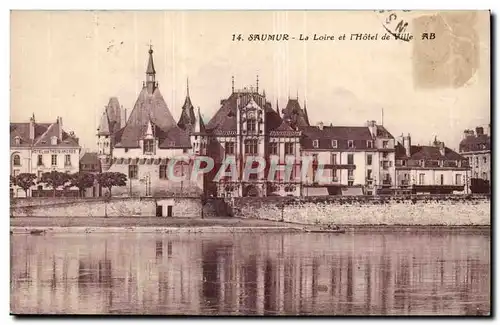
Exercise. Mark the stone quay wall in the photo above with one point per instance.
(180, 207)
(409, 210)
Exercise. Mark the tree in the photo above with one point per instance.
(55, 179)
(25, 181)
(110, 179)
(82, 180)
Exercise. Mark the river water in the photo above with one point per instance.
(391, 273)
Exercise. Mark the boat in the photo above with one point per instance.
(37, 232)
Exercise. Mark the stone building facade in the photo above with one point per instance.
(430, 169)
(37, 148)
(476, 147)
(145, 146)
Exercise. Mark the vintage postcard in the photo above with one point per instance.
(266, 163)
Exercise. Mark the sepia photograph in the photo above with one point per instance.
(250, 162)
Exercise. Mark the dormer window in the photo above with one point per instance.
(334, 143)
(148, 146)
(53, 141)
(369, 144)
(17, 140)
(350, 144)
(315, 143)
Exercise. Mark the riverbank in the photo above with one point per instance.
(45, 225)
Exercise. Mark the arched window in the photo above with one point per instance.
(17, 140)
(16, 160)
(53, 141)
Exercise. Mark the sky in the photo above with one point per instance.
(69, 64)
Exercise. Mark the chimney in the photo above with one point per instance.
(320, 125)
(32, 127)
(407, 144)
(60, 127)
(442, 148)
(372, 126)
(479, 131)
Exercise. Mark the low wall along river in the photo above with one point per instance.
(415, 210)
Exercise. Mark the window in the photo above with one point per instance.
(315, 143)
(369, 159)
(126, 149)
(350, 159)
(475, 175)
(334, 175)
(485, 160)
(53, 141)
(458, 179)
(350, 144)
(67, 160)
(16, 160)
(40, 160)
(484, 176)
(229, 148)
(273, 148)
(289, 146)
(251, 147)
(477, 160)
(369, 144)
(133, 171)
(163, 171)
(350, 183)
(148, 146)
(385, 144)
(17, 140)
(334, 143)
(251, 125)
(53, 160)
(334, 158)
(350, 173)
(421, 179)
(39, 174)
(369, 174)
(441, 179)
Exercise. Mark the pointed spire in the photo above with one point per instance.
(150, 73)
(257, 83)
(232, 84)
(306, 116)
(187, 86)
(277, 107)
(151, 67)
(297, 94)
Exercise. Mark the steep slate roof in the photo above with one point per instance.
(151, 107)
(111, 118)
(383, 133)
(475, 143)
(90, 158)
(228, 108)
(427, 153)
(359, 134)
(295, 114)
(42, 135)
(187, 113)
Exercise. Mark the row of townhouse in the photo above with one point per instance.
(365, 159)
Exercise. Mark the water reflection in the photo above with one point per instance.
(267, 274)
